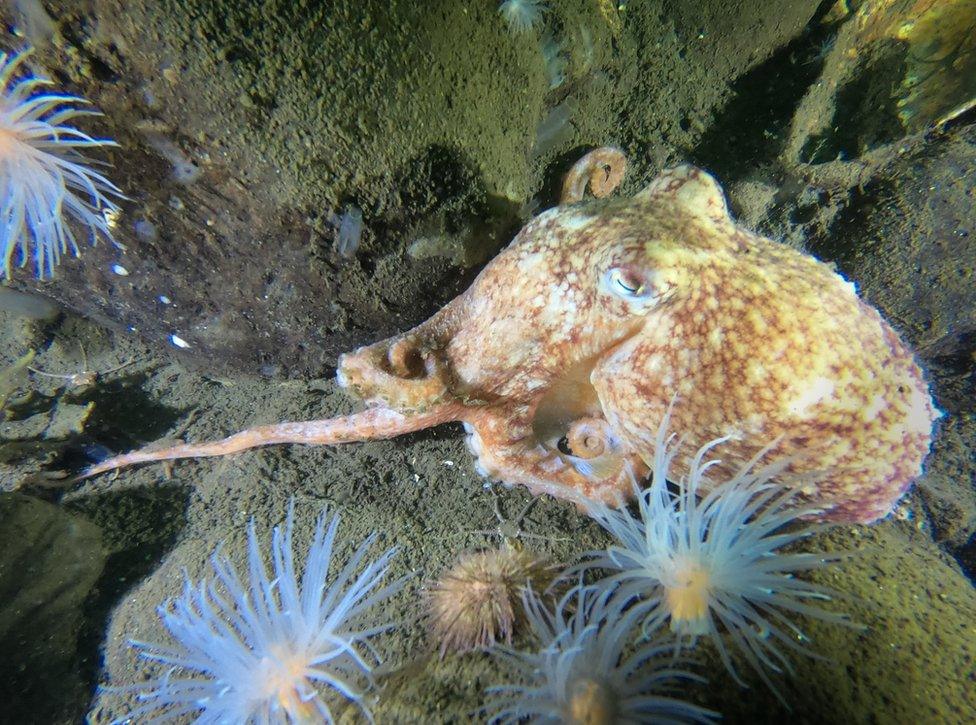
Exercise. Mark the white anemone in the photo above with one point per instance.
(584, 672)
(44, 178)
(713, 564)
(269, 650)
(522, 15)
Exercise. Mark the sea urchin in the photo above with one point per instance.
(44, 178)
(477, 602)
(264, 651)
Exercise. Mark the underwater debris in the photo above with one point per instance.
(444, 246)
(267, 649)
(43, 175)
(713, 565)
(350, 232)
(145, 230)
(897, 69)
(610, 10)
(587, 48)
(185, 170)
(83, 379)
(554, 128)
(522, 15)
(580, 674)
(29, 306)
(179, 341)
(555, 60)
(477, 602)
(33, 22)
(940, 65)
(11, 377)
(35, 429)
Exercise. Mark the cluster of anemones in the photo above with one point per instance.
(274, 647)
(686, 566)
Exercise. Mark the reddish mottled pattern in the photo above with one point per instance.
(754, 327)
(756, 340)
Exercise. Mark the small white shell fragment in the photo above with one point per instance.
(179, 341)
(164, 299)
(120, 270)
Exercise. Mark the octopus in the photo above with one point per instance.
(605, 313)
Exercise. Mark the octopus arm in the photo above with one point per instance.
(507, 449)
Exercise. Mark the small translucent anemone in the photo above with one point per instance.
(269, 649)
(44, 178)
(583, 673)
(715, 564)
(522, 15)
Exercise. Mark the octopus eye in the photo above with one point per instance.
(627, 283)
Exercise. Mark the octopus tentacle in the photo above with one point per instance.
(371, 424)
(508, 450)
(603, 169)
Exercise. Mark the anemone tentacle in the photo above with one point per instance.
(580, 672)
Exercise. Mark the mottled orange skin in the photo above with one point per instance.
(755, 340)
(761, 342)
(564, 355)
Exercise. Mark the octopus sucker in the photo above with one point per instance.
(571, 346)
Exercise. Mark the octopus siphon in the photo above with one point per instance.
(569, 348)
